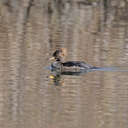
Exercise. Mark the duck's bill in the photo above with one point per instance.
(52, 58)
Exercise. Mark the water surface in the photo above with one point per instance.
(95, 33)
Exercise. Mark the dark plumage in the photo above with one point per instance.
(76, 63)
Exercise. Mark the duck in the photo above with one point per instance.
(60, 65)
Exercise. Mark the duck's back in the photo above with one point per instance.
(76, 64)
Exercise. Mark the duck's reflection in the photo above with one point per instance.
(56, 79)
(58, 76)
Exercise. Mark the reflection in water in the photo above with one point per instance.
(57, 76)
(56, 79)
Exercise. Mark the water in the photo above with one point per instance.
(96, 34)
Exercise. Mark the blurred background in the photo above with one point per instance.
(94, 31)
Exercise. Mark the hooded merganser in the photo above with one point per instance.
(73, 66)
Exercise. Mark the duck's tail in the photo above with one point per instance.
(113, 69)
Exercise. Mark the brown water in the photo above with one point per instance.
(96, 34)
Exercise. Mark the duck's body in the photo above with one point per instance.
(69, 66)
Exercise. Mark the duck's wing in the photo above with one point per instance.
(77, 64)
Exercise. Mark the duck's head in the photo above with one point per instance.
(59, 54)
